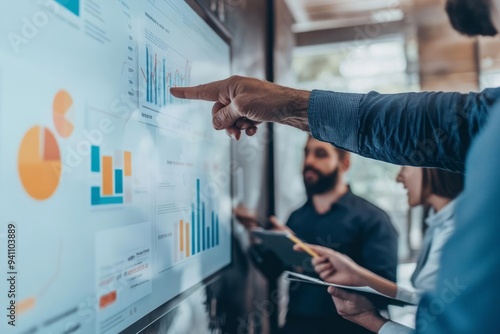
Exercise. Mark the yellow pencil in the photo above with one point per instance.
(302, 245)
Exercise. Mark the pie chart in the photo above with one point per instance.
(39, 163)
(63, 113)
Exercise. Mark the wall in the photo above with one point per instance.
(448, 61)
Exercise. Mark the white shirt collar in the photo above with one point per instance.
(443, 215)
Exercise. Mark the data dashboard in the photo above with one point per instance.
(116, 196)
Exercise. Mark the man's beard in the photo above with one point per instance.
(325, 182)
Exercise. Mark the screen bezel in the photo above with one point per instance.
(159, 312)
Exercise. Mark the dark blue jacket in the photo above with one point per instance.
(418, 129)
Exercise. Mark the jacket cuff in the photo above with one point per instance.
(334, 118)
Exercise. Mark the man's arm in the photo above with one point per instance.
(417, 129)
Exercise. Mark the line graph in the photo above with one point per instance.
(161, 72)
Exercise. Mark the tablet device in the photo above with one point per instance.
(280, 243)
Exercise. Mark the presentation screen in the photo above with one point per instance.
(116, 196)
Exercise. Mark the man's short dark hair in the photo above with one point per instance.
(471, 17)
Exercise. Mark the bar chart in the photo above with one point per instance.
(196, 233)
(115, 173)
(160, 73)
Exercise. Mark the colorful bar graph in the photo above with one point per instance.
(159, 79)
(201, 234)
(112, 189)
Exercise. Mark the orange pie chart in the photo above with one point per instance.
(63, 113)
(39, 163)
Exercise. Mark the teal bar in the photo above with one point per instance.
(193, 245)
(119, 181)
(71, 5)
(208, 238)
(204, 242)
(213, 229)
(96, 198)
(198, 208)
(217, 232)
(95, 159)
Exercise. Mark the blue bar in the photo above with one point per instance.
(147, 74)
(171, 96)
(213, 229)
(217, 232)
(118, 181)
(203, 227)
(199, 217)
(164, 85)
(157, 84)
(193, 245)
(96, 198)
(208, 238)
(95, 159)
(150, 78)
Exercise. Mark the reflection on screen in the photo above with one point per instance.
(119, 193)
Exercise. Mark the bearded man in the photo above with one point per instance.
(333, 217)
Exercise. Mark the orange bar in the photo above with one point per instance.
(188, 246)
(107, 175)
(107, 299)
(127, 163)
(181, 229)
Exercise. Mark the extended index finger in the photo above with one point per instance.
(207, 92)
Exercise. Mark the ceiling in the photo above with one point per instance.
(311, 15)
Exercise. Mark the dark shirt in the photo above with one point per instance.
(352, 226)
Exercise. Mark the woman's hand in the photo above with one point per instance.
(337, 268)
(357, 308)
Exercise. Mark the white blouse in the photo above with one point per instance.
(440, 227)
